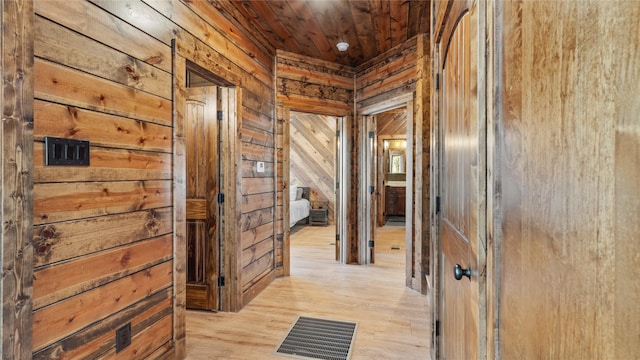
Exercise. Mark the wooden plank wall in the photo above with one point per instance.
(399, 71)
(313, 156)
(103, 234)
(392, 123)
(568, 185)
(16, 178)
(314, 86)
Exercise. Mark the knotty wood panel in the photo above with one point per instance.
(69, 201)
(67, 317)
(62, 241)
(306, 84)
(97, 339)
(312, 153)
(568, 141)
(66, 279)
(107, 29)
(100, 129)
(61, 45)
(64, 85)
(16, 177)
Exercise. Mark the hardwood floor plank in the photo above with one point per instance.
(393, 321)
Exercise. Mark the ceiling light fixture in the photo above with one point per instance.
(342, 46)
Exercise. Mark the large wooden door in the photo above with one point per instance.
(462, 181)
(202, 193)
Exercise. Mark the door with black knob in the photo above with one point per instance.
(462, 187)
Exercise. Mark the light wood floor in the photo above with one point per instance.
(392, 320)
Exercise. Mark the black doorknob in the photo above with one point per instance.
(459, 272)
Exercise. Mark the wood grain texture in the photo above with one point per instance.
(56, 202)
(60, 281)
(179, 219)
(97, 339)
(371, 27)
(101, 129)
(192, 22)
(16, 177)
(569, 178)
(108, 29)
(62, 241)
(61, 45)
(462, 179)
(64, 318)
(64, 85)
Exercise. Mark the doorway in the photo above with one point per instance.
(204, 113)
(313, 171)
(374, 184)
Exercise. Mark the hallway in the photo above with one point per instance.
(393, 321)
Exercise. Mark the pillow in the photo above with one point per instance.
(299, 193)
(293, 191)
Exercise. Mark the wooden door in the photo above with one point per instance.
(462, 196)
(202, 192)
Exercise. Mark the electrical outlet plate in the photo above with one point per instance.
(66, 152)
(123, 337)
(260, 166)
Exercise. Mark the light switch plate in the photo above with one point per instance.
(260, 166)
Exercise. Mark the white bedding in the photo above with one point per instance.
(298, 210)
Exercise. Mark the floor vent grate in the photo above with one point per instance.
(311, 338)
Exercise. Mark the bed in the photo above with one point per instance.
(299, 205)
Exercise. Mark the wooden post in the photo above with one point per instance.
(16, 193)
(179, 205)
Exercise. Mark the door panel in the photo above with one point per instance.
(201, 203)
(461, 198)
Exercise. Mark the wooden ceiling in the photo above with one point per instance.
(314, 27)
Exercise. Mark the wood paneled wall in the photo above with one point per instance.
(311, 86)
(313, 156)
(103, 234)
(16, 178)
(568, 185)
(392, 123)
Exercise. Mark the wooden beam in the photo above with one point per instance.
(16, 163)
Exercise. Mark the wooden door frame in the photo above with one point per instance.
(231, 297)
(447, 21)
(342, 190)
(412, 280)
(342, 231)
(16, 160)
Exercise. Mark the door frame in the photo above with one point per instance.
(342, 176)
(364, 199)
(231, 293)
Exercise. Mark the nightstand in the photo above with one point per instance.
(319, 213)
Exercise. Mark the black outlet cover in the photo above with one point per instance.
(123, 337)
(66, 152)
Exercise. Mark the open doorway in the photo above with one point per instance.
(374, 183)
(312, 172)
(391, 130)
